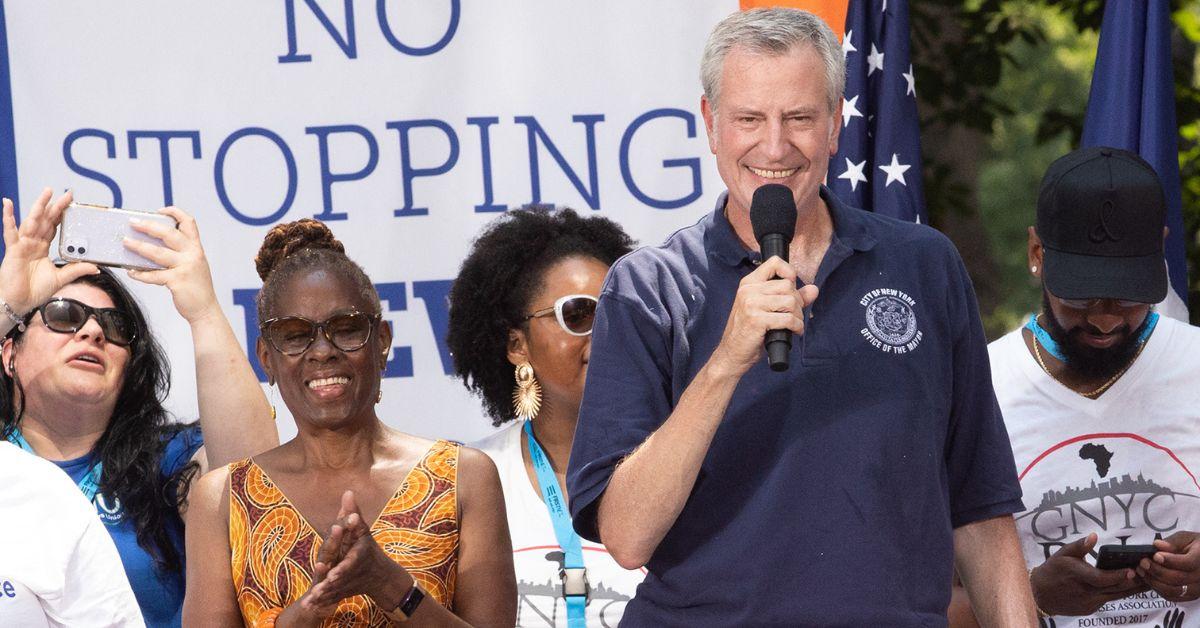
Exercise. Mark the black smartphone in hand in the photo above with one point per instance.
(1123, 556)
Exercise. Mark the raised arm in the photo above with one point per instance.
(27, 276)
(234, 413)
(649, 488)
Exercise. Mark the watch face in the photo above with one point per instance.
(411, 601)
(408, 605)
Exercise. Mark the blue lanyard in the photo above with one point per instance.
(1043, 337)
(89, 484)
(568, 540)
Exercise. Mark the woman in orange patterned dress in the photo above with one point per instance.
(351, 522)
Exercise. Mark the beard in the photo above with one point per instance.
(1090, 362)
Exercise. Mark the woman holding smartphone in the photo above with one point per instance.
(83, 384)
(351, 522)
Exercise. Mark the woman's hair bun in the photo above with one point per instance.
(288, 238)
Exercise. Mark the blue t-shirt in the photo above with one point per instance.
(830, 491)
(159, 594)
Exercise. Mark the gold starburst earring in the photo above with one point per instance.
(527, 396)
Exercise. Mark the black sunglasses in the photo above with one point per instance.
(293, 335)
(67, 316)
(1084, 304)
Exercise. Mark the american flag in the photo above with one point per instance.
(878, 163)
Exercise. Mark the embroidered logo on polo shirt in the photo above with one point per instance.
(891, 321)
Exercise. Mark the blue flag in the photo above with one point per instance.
(1132, 106)
(8, 143)
(878, 162)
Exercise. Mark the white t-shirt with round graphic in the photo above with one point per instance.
(1125, 465)
(58, 565)
(537, 555)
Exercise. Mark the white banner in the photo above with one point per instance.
(404, 125)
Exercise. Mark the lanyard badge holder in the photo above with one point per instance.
(89, 484)
(1051, 347)
(575, 589)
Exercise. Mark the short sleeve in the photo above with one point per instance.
(979, 460)
(180, 449)
(627, 397)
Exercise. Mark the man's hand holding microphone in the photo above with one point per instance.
(768, 308)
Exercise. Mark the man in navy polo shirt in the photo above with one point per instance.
(839, 491)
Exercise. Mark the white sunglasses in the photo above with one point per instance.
(575, 313)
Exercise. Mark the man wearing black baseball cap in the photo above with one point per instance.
(1101, 398)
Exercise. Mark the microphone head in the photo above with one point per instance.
(773, 210)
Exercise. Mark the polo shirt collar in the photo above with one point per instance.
(849, 230)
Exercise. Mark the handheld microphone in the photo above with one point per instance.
(773, 217)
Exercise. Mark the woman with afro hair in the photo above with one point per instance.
(520, 329)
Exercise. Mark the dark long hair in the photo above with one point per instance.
(131, 447)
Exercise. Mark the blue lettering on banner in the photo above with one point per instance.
(334, 142)
(401, 362)
(435, 294)
(591, 193)
(408, 172)
(247, 299)
(219, 176)
(417, 51)
(345, 42)
(692, 163)
(485, 150)
(346, 38)
(432, 292)
(111, 145)
(328, 178)
(164, 152)
(8, 589)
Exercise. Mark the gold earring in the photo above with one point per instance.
(271, 385)
(527, 396)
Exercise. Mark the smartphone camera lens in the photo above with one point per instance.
(70, 249)
(82, 250)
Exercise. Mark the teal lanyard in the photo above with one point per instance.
(89, 484)
(568, 540)
(1051, 347)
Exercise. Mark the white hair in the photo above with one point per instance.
(774, 31)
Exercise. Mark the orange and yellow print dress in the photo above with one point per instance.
(274, 548)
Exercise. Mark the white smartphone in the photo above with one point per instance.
(94, 233)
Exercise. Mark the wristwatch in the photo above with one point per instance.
(408, 604)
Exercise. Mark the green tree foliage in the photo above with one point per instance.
(1003, 87)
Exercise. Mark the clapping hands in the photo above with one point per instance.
(351, 563)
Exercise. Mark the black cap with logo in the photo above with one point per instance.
(1100, 217)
